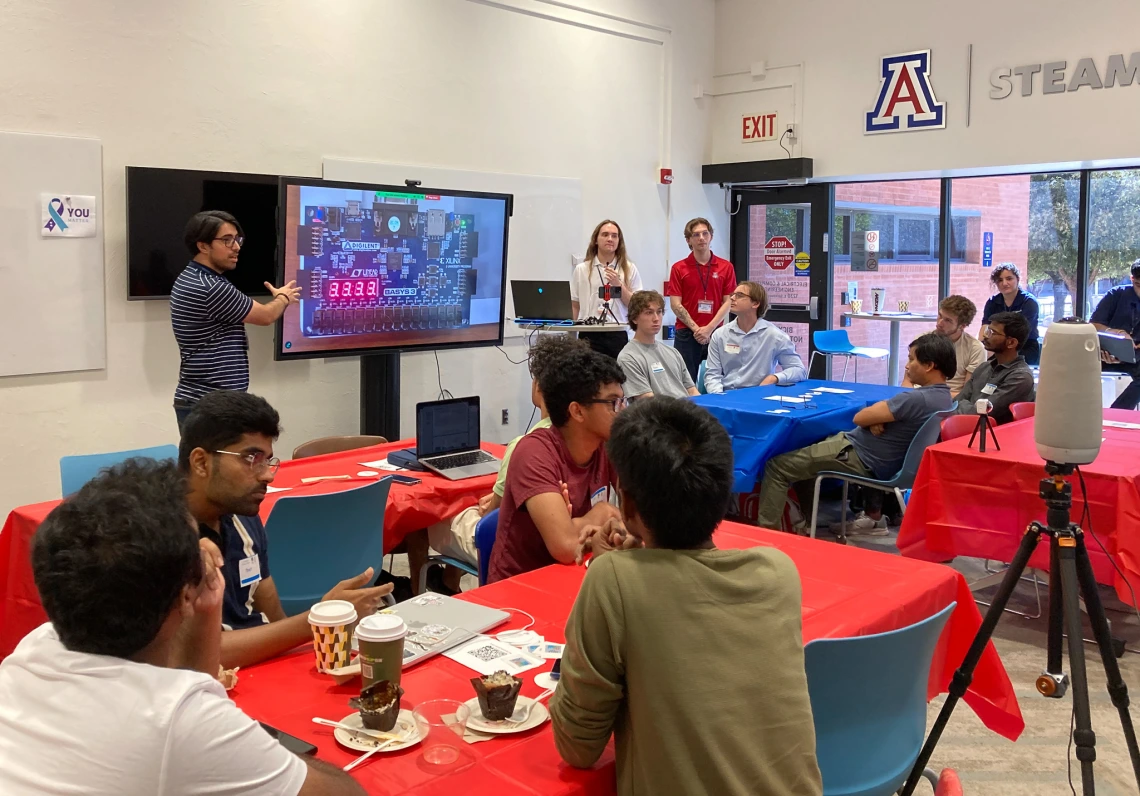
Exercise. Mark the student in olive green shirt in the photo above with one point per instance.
(456, 537)
(692, 657)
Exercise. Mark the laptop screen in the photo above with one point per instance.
(444, 427)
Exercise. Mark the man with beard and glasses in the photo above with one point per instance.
(227, 456)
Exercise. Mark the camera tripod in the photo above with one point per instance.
(980, 428)
(1070, 577)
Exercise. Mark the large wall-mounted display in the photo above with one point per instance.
(390, 267)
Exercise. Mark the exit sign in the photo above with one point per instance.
(757, 128)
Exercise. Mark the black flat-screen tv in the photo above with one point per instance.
(385, 268)
(161, 201)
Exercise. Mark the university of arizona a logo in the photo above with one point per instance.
(906, 97)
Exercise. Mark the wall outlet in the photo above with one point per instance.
(506, 416)
(790, 129)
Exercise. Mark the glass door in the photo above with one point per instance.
(780, 240)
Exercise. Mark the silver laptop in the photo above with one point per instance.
(447, 439)
(437, 623)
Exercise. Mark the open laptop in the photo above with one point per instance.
(447, 439)
(437, 623)
(542, 301)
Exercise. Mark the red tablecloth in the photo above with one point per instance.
(409, 509)
(846, 592)
(967, 503)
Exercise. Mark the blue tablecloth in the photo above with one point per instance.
(758, 435)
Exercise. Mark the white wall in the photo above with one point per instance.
(522, 86)
(840, 44)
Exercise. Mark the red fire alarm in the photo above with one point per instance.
(666, 176)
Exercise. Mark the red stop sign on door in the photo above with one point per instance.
(779, 252)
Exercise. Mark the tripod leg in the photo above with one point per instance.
(965, 673)
(1054, 682)
(993, 434)
(1083, 736)
(1116, 687)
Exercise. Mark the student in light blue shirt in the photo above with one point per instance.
(745, 352)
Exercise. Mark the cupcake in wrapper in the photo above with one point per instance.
(379, 705)
(498, 693)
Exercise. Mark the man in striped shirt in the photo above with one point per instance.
(209, 314)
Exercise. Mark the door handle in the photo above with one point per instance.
(813, 308)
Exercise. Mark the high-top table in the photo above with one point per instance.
(846, 592)
(894, 318)
(409, 508)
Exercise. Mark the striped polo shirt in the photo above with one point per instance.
(207, 311)
(241, 539)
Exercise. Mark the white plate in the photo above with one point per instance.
(538, 715)
(405, 725)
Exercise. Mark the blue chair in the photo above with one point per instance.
(316, 541)
(458, 563)
(701, 377)
(836, 343)
(927, 435)
(75, 471)
(868, 701)
(485, 533)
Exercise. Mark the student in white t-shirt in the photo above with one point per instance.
(605, 264)
(118, 692)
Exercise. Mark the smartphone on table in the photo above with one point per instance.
(290, 742)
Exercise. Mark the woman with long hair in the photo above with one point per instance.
(606, 263)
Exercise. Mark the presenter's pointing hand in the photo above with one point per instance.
(290, 291)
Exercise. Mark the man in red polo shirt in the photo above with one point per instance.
(699, 290)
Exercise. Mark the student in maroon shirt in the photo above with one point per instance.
(582, 394)
(699, 290)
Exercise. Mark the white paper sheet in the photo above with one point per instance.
(787, 399)
(835, 390)
(486, 656)
(272, 488)
(381, 464)
(1119, 424)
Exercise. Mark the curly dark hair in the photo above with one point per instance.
(548, 349)
(220, 418)
(579, 375)
(1011, 267)
(110, 561)
(675, 442)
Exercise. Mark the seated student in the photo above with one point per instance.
(117, 693)
(227, 455)
(582, 395)
(661, 641)
(651, 367)
(1119, 313)
(877, 447)
(746, 351)
(955, 313)
(1004, 378)
(456, 537)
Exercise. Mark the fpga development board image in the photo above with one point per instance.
(384, 267)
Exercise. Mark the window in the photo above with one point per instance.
(905, 214)
(1114, 232)
(1029, 220)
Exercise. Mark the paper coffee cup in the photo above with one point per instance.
(380, 642)
(856, 306)
(331, 622)
(878, 299)
(904, 305)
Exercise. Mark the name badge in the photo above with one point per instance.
(249, 570)
(704, 306)
(731, 348)
(657, 367)
(989, 389)
(599, 496)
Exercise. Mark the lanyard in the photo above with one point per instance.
(704, 278)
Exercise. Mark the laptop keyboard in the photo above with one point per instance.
(461, 460)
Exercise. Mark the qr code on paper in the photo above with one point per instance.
(487, 653)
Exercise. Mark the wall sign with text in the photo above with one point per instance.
(1056, 78)
(757, 128)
